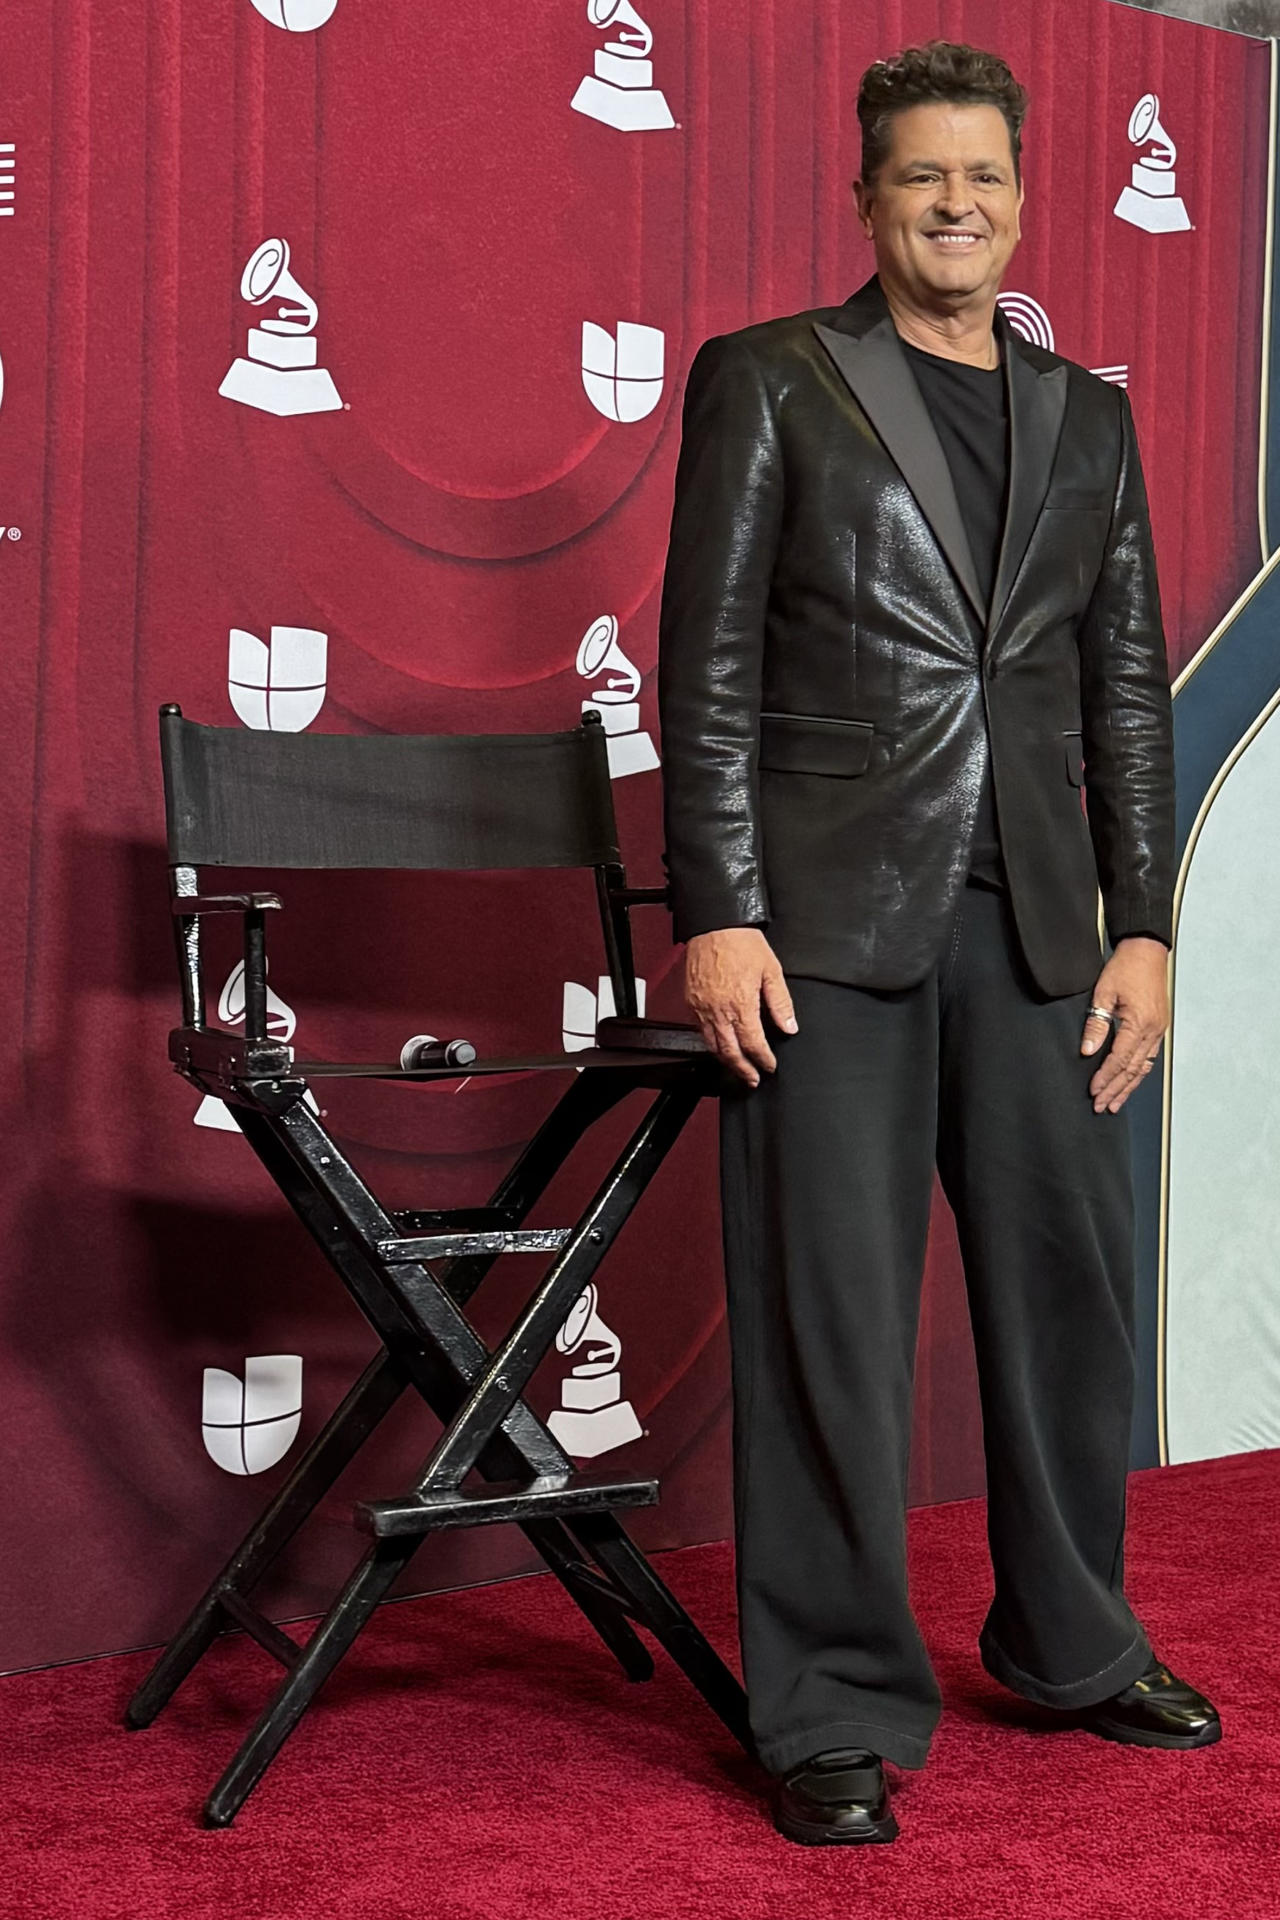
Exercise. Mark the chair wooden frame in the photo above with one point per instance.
(411, 1273)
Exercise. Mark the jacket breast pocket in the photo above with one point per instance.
(808, 743)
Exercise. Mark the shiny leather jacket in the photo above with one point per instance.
(830, 681)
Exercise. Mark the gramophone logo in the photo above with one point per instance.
(280, 374)
(249, 1424)
(623, 375)
(282, 1022)
(296, 16)
(1151, 200)
(582, 1009)
(1027, 317)
(277, 686)
(592, 1417)
(621, 92)
(613, 697)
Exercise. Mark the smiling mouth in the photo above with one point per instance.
(958, 242)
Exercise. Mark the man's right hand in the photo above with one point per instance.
(727, 977)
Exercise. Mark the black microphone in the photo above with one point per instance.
(424, 1050)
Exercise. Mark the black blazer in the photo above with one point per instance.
(829, 677)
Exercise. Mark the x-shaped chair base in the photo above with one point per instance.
(384, 1260)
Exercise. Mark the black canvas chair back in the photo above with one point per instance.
(236, 798)
(246, 800)
(455, 802)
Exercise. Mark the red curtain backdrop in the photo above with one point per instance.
(454, 526)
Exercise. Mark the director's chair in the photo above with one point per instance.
(246, 799)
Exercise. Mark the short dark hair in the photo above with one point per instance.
(942, 70)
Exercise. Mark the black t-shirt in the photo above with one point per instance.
(969, 410)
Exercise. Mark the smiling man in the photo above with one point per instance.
(916, 711)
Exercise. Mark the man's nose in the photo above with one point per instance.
(955, 198)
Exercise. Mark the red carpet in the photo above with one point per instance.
(479, 1757)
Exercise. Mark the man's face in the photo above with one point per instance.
(943, 210)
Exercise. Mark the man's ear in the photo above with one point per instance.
(863, 197)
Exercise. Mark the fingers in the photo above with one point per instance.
(778, 1000)
(738, 1042)
(1133, 988)
(1134, 1052)
(1096, 1029)
(729, 975)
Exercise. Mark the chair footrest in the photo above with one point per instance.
(506, 1500)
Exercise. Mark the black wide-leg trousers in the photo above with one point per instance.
(827, 1175)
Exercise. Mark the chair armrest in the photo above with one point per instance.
(181, 904)
(649, 1036)
(640, 896)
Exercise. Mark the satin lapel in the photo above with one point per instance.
(881, 381)
(1037, 407)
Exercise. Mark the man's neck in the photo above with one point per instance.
(966, 334)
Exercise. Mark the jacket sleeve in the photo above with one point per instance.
(724, 535)
(1127, 716)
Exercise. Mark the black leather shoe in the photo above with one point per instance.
(1158, 1710)
(835, 1799)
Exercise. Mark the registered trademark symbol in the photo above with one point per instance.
(14, 533)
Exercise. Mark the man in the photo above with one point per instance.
(910, 606)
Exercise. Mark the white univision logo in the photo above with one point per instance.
(621, 92)
(1151, 200)
(582, 1009)
(249, 1424)
(277, 686)
(623, 375)
(1027, 317)
(296, 16)
(601, 659)
(280, 374)
(592, 1417)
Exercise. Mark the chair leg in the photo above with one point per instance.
(477, 1395)
(562, 1557)
(657, 1608)
(364, 1591)
(372, 1396)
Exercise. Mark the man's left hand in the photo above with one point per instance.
(1134, 986)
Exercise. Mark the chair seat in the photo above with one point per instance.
(618, 1054)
